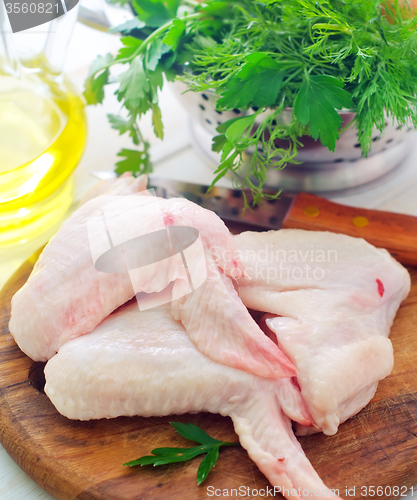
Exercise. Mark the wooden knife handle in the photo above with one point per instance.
(395, 232)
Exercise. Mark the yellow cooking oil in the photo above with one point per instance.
(42, 138)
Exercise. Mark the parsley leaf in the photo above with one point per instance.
(208, 462)
(316, 103)
(258, 83)
(174, 34)
(133, 84)
(94, 85)
(219, 141)
(129, 25)
(123, 126)
(137, 162)
(131, 45)
(94, 88)
(208, 446)
(155, 13)
(155, 51)
(234, 129)
(157, 121)
(193, 433)
(219, 8)
(99, 64)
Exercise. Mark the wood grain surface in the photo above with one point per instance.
(82, 460)
(395, 232)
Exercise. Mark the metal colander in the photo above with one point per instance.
(320, 170)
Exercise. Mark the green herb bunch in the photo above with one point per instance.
(311, 58)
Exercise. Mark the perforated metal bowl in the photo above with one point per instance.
(320, 170)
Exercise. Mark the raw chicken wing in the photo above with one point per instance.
(332, 300)
(143, 363)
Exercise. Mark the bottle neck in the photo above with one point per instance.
(9, 63)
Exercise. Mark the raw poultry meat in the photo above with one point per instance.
(222, 328)
(332, 322)
(332, 300)
(125, 184)
(59, 300)
(329, 301)
(66, 296)
(143, 363)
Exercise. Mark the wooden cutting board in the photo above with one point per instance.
(82, 460)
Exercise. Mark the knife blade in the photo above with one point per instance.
(227, 203)
(395, 232)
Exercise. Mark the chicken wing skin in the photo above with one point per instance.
(332, 300)
(68, 294)
(143, 363)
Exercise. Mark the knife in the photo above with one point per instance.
(395, 232)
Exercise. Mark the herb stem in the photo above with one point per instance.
(346, 127)
(398, 12)
(155, 35)
(293, 75)
(160, 30)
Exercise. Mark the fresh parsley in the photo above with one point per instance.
(316, 105)
(136, 162)
(258, 83)
(288, 66)
(207, 446)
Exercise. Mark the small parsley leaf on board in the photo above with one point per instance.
(136, 162)
(208, 462)
(257, 83)
(316, 103)
(207, 446)
(193, 433)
